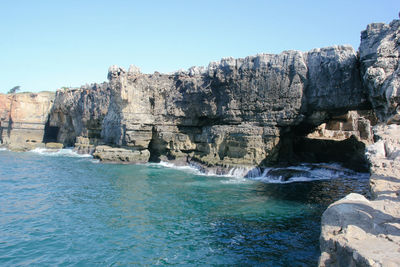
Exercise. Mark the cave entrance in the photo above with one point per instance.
(50, 133)
(340, 139)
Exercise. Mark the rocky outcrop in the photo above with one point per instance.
(23, 118)
(79, 113)
(357, 231)
(233, 112)
(379, 57)
(353, 123)
(115, 154)
(361, 232)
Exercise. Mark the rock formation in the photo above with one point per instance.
(79, 112)
(23, 118)
(361, 232)
(233, 112)
(357, 231)
(380, 69)
(248, 113)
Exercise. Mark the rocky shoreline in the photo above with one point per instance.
(361, 232)
(328, 104)
(357, 231)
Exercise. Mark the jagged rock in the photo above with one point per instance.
(380, 69)
(353, 123)
(83, 145)
(232, 113)
(357, 231)
(384, 155)
(79, 112)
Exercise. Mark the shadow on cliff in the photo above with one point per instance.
(50, 132)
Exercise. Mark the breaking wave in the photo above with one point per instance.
(306, 172)
(65, 152)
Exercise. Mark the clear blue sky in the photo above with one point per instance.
(45, 45)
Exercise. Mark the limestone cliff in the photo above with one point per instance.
(23, 118)
(79, 112)
(380, 57)
(357, 231)
(234, 111)
(361, 232)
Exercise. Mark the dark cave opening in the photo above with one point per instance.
(297, 147)
(50, 133)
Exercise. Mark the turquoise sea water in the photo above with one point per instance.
(65, 210)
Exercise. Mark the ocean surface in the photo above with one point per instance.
(65, 209)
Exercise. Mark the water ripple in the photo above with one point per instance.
(66, 210)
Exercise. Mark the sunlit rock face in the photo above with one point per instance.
(79, 112)
(234, 111)
(365, 232)
(380, 70)
(23, 118)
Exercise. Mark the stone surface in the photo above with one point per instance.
(379, 56)
(79, 112)
(114, 154)
(23, 118)
(353, 123)
(233, 112)
(52, 145)
(361, 232)
(356, 231)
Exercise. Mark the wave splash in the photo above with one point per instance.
(305, 172)
(65, 152)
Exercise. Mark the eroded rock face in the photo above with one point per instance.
(23, 117)
(361, 232)
(357, 231)
(79, 112)
(379, 57)
(233, 112)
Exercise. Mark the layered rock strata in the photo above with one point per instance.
(23, 119)
(233, 112)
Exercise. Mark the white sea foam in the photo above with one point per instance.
(314, 172)
(65, 152)
(3, 149)
(187, 168)
(301, 173)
